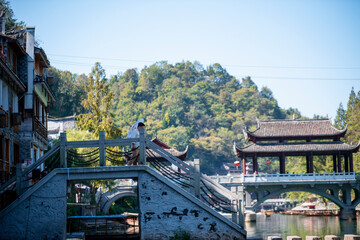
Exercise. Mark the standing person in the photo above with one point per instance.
(135, 150)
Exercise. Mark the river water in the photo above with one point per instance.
(297, 225)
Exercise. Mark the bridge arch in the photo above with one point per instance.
(273, 193)
(106, 204)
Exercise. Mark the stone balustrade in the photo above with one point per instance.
(293, 177)
(327, 237)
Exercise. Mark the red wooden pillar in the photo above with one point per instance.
(243, 165)
(339, 162)
(346, 161)
(334, 163)
(351, 164)
(255, 164)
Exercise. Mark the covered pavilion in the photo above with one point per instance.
(281, 138)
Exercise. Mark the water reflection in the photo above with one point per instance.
(290, 225)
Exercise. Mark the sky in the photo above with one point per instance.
(307, 52)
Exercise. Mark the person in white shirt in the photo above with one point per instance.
(135, 158)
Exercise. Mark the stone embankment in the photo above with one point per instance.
(327, 237)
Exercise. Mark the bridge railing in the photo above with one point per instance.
(26, 177)
(291, 177)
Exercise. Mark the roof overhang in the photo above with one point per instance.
(12, 78)
(295, 149)
(40, 56)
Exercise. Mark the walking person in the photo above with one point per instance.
(135, 150)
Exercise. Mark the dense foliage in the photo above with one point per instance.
(11, 22)
(183, 104)
(351, 118)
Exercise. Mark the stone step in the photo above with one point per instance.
(332, 237)
(274, 238)
(313, 238)
(293, 238)
(351, 237)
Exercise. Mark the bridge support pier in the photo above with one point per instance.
(250, 216)
(347, 214)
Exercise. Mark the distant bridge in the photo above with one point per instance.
(337, 187)
(124, 190)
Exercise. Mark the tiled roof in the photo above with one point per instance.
(179, 154)
(298, 147)
(293, 128)
(150, 154)
(160, 143)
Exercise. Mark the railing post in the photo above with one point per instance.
(142, 146)
(19, 179)
(196, 177)
(234, 205)
(63, 162)
(241, 208)
(102, 148)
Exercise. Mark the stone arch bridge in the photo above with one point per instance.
(121, 191)
(337, 187)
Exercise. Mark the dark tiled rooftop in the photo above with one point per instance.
(292, 128)
(298, 147)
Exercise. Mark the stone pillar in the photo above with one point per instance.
(240, 191)
(346, 163)
(234, 204)
(347, 214)
(63, 162)
(102, 151)
(255, 164)
(334, 163)
(196, 177)
(142, 146)
(247, 200)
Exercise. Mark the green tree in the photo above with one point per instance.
(340, 119)
(11, 22)
(69, 91)
(98, 105)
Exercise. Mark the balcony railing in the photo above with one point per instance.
(39, 128)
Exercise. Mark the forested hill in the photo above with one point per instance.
(183, 104)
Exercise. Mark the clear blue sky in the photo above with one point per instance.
(307, 52)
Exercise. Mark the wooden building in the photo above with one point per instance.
(24, 98)
(282, 138)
